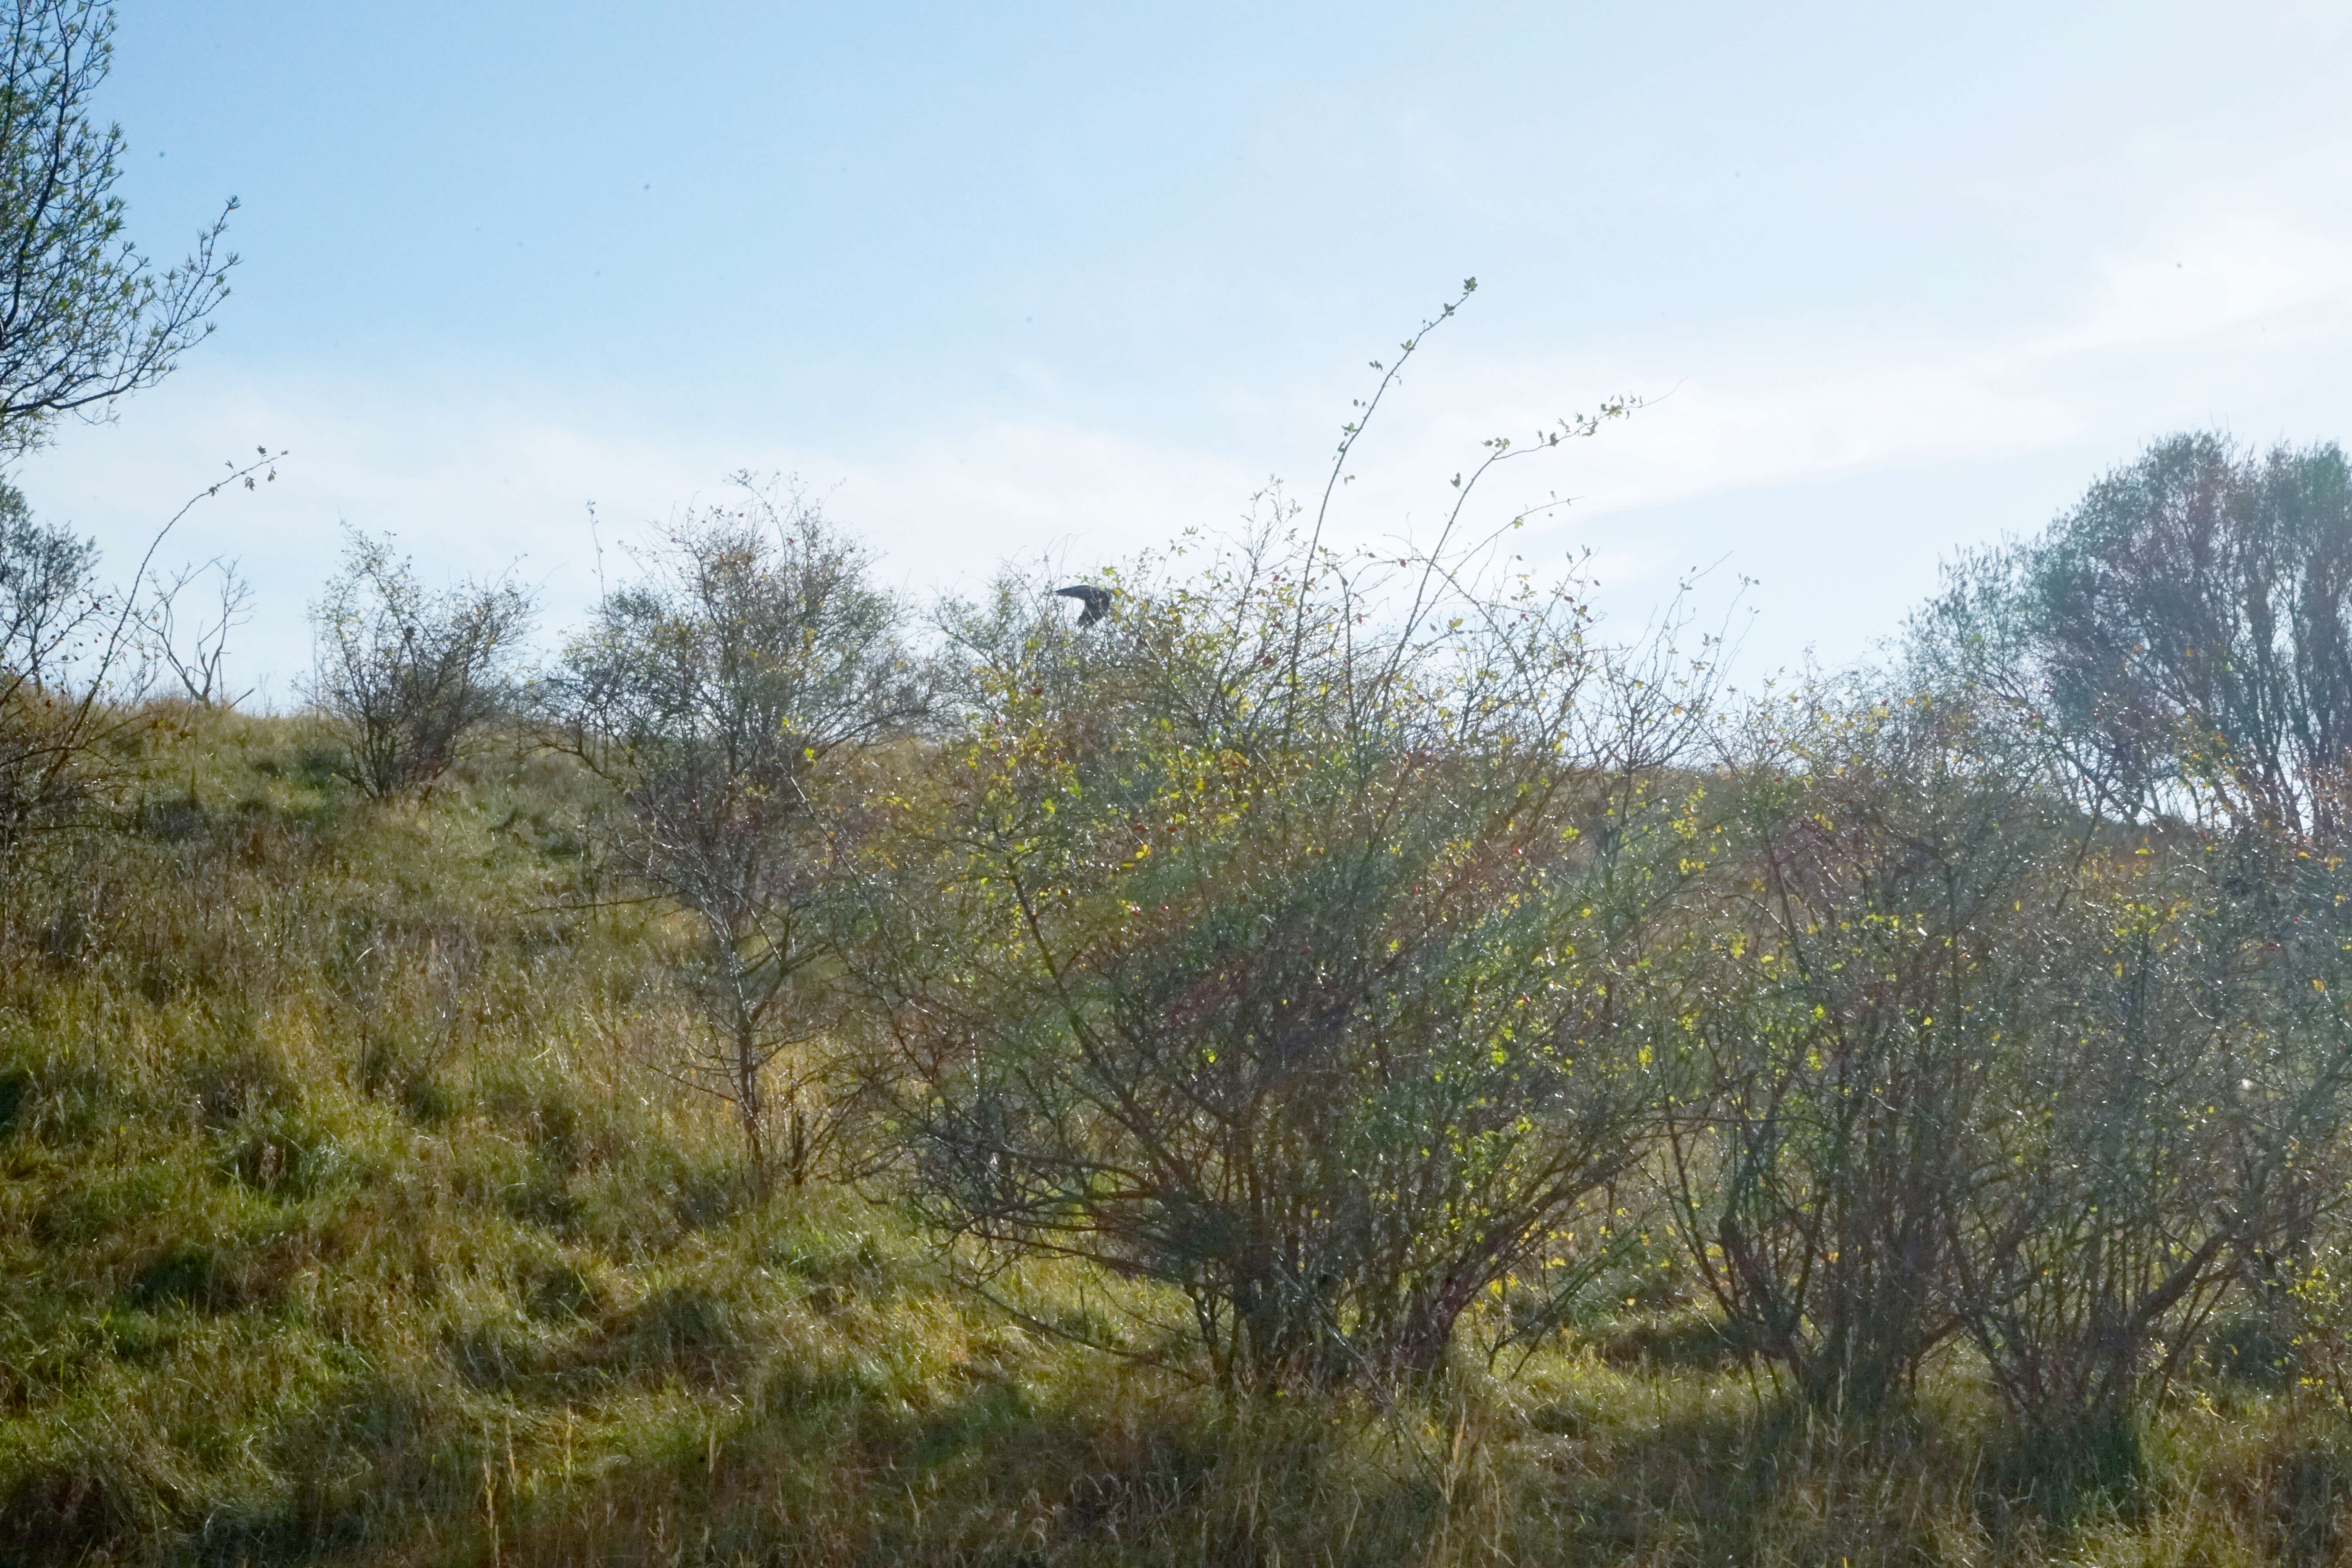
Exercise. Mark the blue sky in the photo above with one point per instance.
(1068, 278)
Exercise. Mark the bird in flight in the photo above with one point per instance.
(1096, 600)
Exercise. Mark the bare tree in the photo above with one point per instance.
(195, 647)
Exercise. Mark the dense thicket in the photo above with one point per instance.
(1330, 959)
(1313, 978)
(1298, 961)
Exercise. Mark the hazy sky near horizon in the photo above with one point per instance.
(1064, 279)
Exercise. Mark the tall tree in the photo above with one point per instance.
(84, 316)
(2184, 633)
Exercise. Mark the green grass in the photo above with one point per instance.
(345, 1216)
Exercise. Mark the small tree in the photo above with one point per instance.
(1276, 938)
(407, 677)
(2128, 1162)
(1984, 1066)
(725, 695)
(84, 316)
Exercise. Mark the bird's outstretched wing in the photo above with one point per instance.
(1096, 600)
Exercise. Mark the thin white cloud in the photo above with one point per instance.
(2236, 314)
(2219, 320)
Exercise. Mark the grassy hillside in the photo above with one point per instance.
(347, 1214)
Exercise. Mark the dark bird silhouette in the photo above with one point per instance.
(1096, 600)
